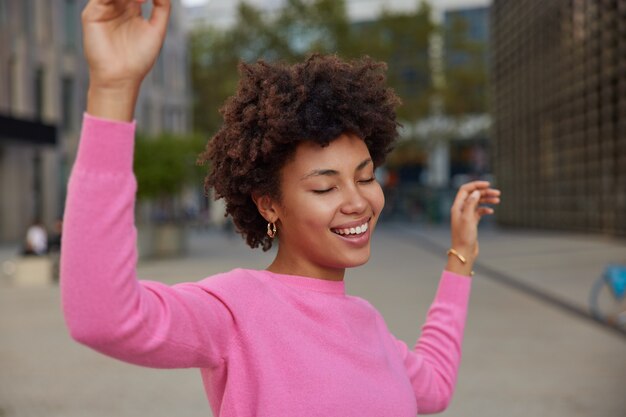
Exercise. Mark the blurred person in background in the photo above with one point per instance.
(36, 241)
(54, 239)
(294, 160)
(54, 248)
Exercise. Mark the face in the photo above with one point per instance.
(328, 210)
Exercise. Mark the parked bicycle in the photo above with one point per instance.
(607, 299)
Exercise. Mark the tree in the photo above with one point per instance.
(402, 40)
(299, 28)
(465, 91)
(163, 166)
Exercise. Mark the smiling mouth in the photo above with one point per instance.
(352, 231)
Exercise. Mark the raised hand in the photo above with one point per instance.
(121, 47)
(465, 215)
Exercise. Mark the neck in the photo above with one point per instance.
(284, 264)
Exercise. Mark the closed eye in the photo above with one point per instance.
(367, 181)
(323, 191)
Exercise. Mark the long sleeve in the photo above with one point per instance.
(434, 362)
(105, 306)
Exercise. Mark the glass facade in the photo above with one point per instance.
(559, 107)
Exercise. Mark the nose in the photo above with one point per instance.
(353, 201)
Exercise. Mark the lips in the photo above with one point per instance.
(352, 229)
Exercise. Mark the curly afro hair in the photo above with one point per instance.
(278, 106)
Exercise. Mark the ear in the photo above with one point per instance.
(267, 207)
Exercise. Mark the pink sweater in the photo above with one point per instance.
(266, 344)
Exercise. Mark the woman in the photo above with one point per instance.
(295, 163)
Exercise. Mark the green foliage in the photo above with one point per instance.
(304, 26)
(402, 40)
(166, 163)
(466, 82)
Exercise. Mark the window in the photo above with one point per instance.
(27, 22)
(43, 23)
(39, 93)
(37, 185)
(9, 84)
(166, 124)
(67, 103)
(159, 71)
(70, 19)
(146, 116)
(3, 13)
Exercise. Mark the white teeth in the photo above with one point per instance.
(353, 230)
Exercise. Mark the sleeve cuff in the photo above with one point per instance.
(106, 146)
(454, 288)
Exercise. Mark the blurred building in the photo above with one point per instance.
(43, 87)
(559, 105)
(466, 63)
(456, 132)
(473, 24)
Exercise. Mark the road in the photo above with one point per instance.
(523, 355)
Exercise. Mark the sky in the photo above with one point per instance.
(365, 3)
(222, 10)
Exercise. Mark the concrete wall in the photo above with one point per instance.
(41, 39)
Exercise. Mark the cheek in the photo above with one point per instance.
(309, 211)
(377, 199)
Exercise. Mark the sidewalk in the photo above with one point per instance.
(561, 267)
(522, 356)
(8, 255)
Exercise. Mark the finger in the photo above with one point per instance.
(464, 191)
(471, 203)
(490, 196)
(105, 10)
(479, 184)
(492, 192)
(160, 14)
(483, 211)
(457, 205)
(116, 3)
(490, 200)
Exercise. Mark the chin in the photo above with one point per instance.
(355, 262)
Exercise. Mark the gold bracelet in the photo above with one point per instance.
(461, 258)
(458, 255)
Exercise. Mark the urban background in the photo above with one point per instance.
(528, 94)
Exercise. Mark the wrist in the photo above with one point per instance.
(458, 268)
(468, 253)
(113, 102)
(459, 262)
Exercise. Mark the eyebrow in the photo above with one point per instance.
(331, 172)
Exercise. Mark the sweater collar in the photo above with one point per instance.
(307, 283)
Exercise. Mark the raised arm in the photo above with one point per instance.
(432, 365)
(105, 306)
(434, 362)
(465, 214)
(121, 48)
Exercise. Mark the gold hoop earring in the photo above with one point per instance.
(271, 230)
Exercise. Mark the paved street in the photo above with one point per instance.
(524, 356)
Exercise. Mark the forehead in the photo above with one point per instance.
(343, 153)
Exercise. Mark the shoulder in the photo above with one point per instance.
(367, 309)
(362, 303)
(237, 281)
